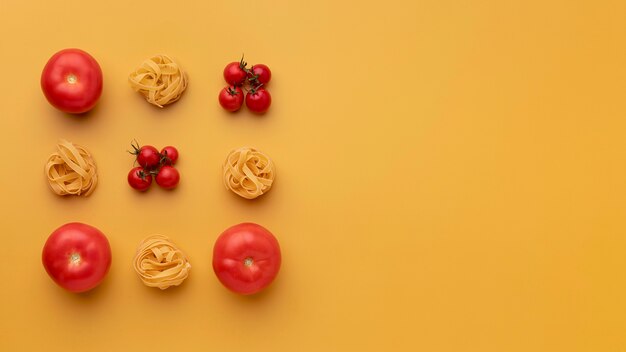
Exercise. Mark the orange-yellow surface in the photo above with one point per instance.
(451, 175)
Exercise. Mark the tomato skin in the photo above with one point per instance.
(234, 73)
(148, 157)
(168, 177)
(231, 98)
(169, 155)
(88, 247)
(262, 73)
(246, 258)
(259, 100)
(139, 179)
(65, 67)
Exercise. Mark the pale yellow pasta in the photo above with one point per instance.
(248, 172)
(160, 79)
(71, 170)
(159, 263)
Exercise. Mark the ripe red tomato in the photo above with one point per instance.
(77, 257)
(147, 156)
(260, 73)
(167, 177)
(235, 73)
(258, 100)
(231, 98)
(139, 179)
(169, 155)
(246, 258)
(72, 81)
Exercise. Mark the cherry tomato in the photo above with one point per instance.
(147, 156)
(231, 98)
(260, 74)
(77, 257)
(235, 73)
(258, 100)
(169, 155)
(246, 258)
(72, 81)
(139, 179)
(167, 177)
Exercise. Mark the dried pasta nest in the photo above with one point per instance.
(159, 263)
(71, 170)
(160, 79)
(248, 172)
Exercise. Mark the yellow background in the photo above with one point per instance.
(451, 175)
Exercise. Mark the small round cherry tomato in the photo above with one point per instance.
(147, 156)
(235, 73)
(72, 81)
(139, 179)
(246, 258)
(231, 98)
(169, 155)
(258, 100)
(168, 177)
(260, 73)
(77, 257)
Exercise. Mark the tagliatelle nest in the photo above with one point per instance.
(71, 170)
(248, 172)
(160, 79)
(159, 263)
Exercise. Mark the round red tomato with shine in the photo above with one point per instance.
(258, 100)
(72, 81)
(77, 256)
(235, 73)
(262, 73)
(231, 98)
(246, 258)
(168, 177)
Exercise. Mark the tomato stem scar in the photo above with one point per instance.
(248, 262)
(71, 78)
(75, 258)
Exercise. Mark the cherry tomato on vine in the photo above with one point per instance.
(139, 179)
(77, 257)
(246, 258)
(147, 156)
(258, 100)
(231, 98)
(169, 155)
(235, 73)
(168, 177)
(72, 81)
(260, 74)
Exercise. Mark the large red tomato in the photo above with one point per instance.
(72, 81)
(246, 258)
(77, 256)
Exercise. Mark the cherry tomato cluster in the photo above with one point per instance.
(254, 79)
(153, 163)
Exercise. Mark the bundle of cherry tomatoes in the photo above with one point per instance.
(153, 163)
(254, 79)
